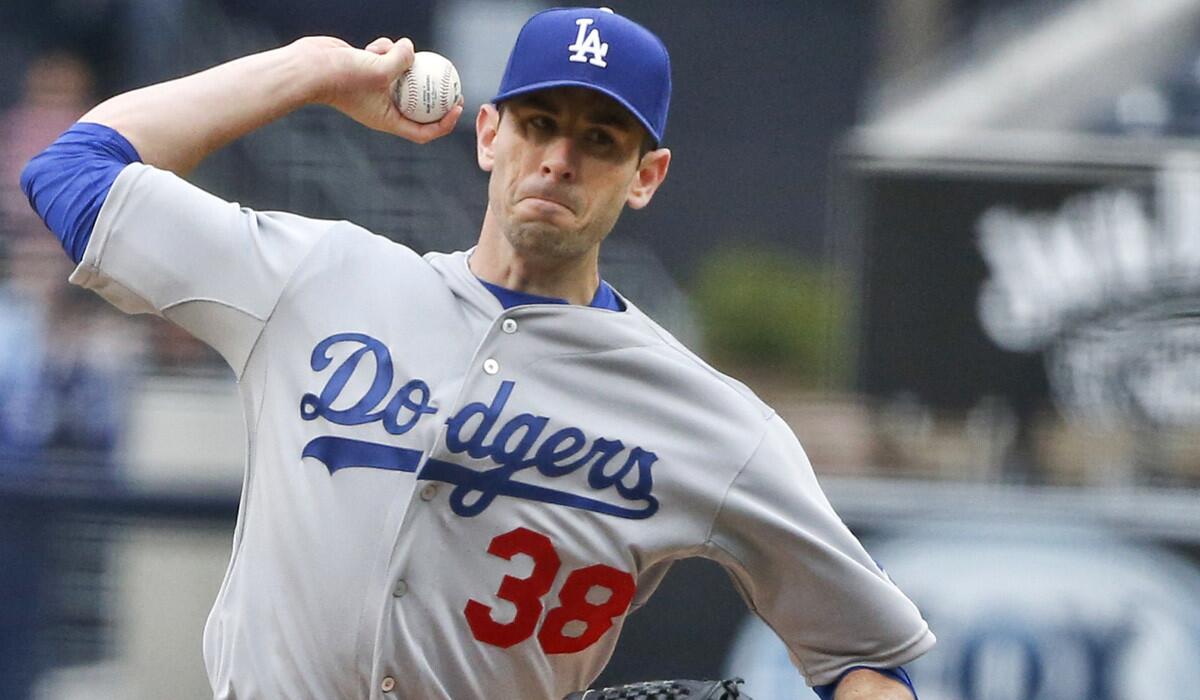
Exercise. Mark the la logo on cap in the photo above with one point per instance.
(588, 43)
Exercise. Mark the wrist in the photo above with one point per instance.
(311, 76)
(871, 684)
(319, 66)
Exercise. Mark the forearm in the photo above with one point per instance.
(864, 684)
(176, 124)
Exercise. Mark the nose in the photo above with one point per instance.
(558, 160)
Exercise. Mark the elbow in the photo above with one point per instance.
(29, 178)
(43, 180)
(67, 183)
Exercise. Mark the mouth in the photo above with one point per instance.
(547, 202)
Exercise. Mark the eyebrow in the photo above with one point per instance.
(537, 102)
(612, 117)
(604, 115)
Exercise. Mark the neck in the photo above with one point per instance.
(495, 260)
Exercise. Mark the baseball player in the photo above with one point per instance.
(463, 469)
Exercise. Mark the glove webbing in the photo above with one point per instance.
(669, 690)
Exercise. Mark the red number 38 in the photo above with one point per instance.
(526, 595)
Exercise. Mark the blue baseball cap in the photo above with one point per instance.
(597, 49)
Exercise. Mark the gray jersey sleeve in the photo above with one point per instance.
(164, 246)
(804, 573)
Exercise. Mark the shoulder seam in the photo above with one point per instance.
(213, 301)
(283, 290)
(804, 669)
(673, 344)
(708, 541)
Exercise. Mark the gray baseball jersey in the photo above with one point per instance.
(445, 499)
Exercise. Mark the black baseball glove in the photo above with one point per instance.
(667, 690)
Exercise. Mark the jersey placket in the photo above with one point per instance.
(486, 369)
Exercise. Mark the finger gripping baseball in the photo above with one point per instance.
(668, 690)
(428, 89)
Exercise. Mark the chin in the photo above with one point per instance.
(544, 240)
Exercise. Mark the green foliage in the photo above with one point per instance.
(760, 310)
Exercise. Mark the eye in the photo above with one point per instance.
(541, 122)
(599, 137)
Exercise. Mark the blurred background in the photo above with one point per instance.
(955, 243)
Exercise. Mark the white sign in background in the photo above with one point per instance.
(1027, 614)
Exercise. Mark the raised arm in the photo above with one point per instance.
(176, 124)
(168, 247)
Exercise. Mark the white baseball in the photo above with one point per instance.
(428, 89)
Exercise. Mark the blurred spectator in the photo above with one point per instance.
(64, 374)
(57, 91)
(63, 367)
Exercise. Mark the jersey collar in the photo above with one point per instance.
(605, 297)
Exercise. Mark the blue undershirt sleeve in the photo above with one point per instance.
(68, 182)
(825, 692)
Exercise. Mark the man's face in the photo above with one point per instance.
(563, 163)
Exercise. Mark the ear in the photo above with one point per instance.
(487, 124)
(652, 170)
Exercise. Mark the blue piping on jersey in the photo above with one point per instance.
(605, 297)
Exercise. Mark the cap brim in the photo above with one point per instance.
(535, 87)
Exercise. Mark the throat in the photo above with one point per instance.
(574, 279)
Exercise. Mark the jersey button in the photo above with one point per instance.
(388, 684)
(428, 492)
(401, 588)
(509, 326)
(491, 366)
